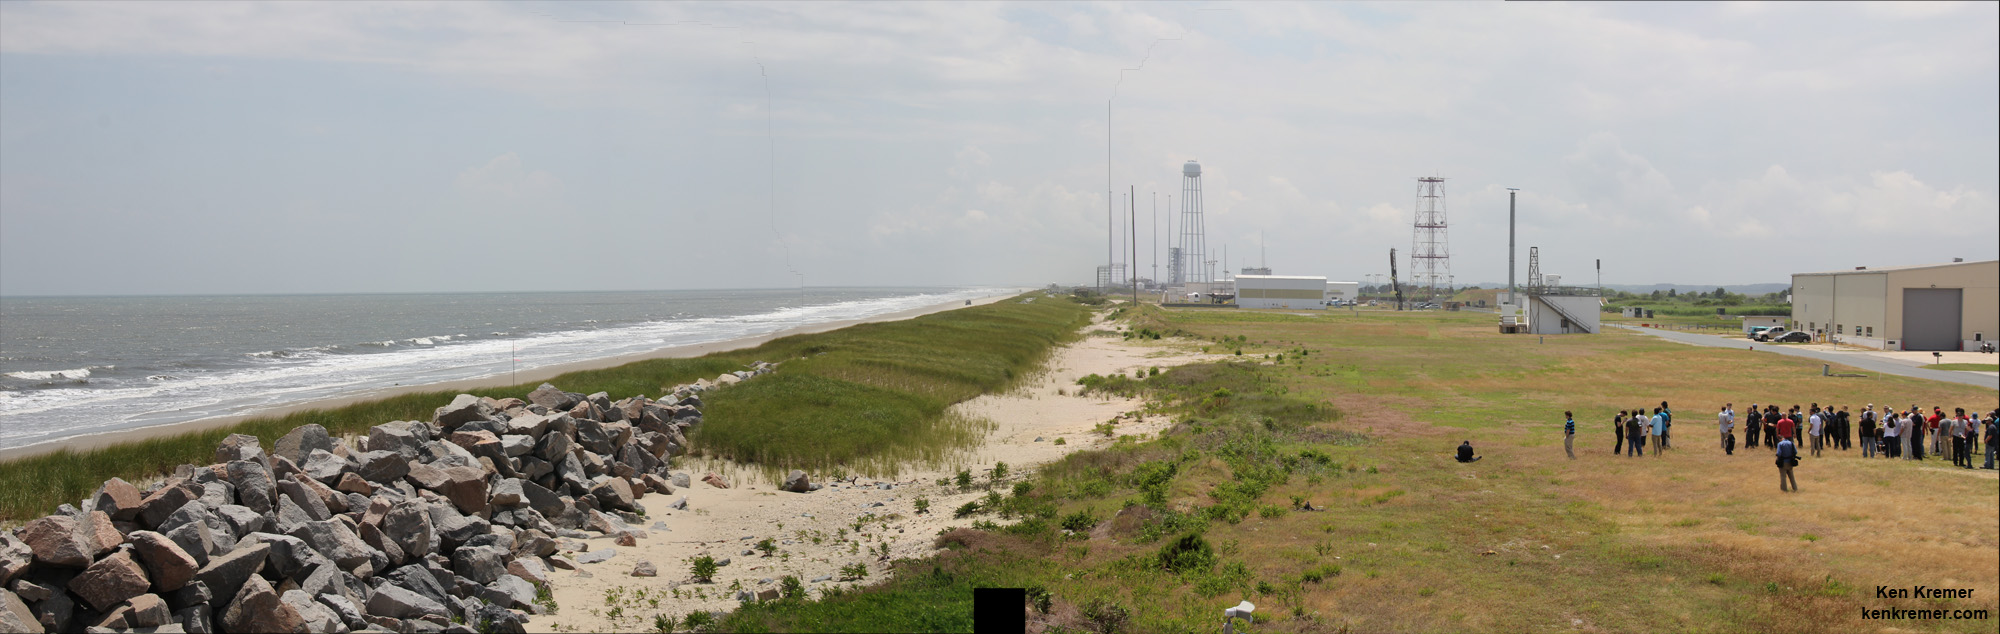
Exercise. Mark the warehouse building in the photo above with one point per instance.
(1951, 306)
(1280, 291)
(1343, 291)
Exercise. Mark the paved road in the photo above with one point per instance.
(1856, 360)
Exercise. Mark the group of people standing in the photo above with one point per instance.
(1634, 428)
(1888, 433)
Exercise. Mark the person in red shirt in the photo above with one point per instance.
(1785, 427)
(1937, 443)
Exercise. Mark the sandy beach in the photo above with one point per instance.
(92, 441)
(815, 532)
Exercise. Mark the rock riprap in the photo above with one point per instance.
(415, 526)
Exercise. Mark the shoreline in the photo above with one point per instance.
(98, 440)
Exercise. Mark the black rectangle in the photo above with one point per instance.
(999, 610)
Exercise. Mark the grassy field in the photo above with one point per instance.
(1357, 414)
(867, 397)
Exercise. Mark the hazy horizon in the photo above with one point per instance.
(333, 148)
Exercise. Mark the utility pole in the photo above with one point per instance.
(1156, 237)
(1132, 196)
(1510, 248)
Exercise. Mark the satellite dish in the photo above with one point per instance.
(1241, 610)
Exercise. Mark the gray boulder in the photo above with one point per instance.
(463, 409)
(481, 564)
(325, 467)
(409, 525)
(196, 540)
(254, 484)
(510, 591)
(224, 576)
(15, 557)
(15, 616)
(550, 397)
(797, 482)
(298, 445)
(395, 438)
(217, 493)
(290, 557)
(553, 447)
(345, 608)
(382, 467)
(507, 492)
(453, 529)
(517, 446)
(242, 521)
(397, 602)
(597, 556)
(335, 541)
(239, 447)
(307, 500)
(681, 480)
(218, 537)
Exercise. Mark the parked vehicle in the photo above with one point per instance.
(1776, 331)
(1758, 330)
(1795, 336)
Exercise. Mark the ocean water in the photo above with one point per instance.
(82, 365)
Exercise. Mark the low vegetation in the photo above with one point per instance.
(866, 398)
(1355, 415)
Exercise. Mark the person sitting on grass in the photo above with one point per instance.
(1465, 453)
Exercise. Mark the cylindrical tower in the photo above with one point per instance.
(1193, 255)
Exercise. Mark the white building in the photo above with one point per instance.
(1563, 314)
(1343, 291)
(1947, 306)
(1281, 291)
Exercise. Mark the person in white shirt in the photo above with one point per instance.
(1725, 421)
(1892, 433)
(1816, 426)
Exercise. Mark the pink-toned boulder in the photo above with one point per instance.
(352, 483)
(56, 541)
(119, 499)
(467, 439)
(169, 565)
(110, 581)
(657, 484)
(99, 530)
(258, 608)
(715, 480)
(466, 488)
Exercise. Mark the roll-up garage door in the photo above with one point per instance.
(1931, 318)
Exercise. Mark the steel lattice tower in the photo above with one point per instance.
(1430, 242)
(1193, 252)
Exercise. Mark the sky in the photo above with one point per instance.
(319, 147)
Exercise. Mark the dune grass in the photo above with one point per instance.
(1357, 414)
(869, 394)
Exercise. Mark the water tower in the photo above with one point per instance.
(1192, 255)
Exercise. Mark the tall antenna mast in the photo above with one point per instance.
(1430, 245)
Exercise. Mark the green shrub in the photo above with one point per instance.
(967, 509)
(854, 571)
(1080, 521)
(791, 588)
(703, 568)
(1189, 554)
(923, 505)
